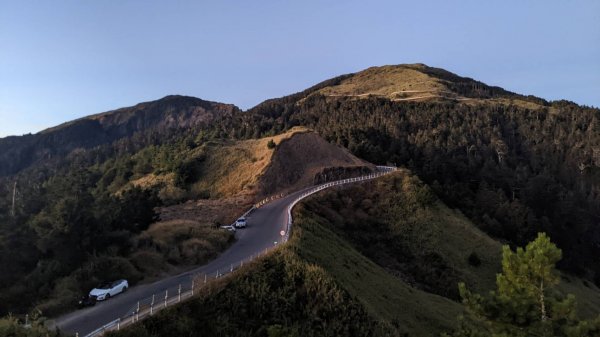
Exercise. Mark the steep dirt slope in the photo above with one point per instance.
(306, 159)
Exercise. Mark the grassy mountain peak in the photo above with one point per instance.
(397, 82)
(419, 82)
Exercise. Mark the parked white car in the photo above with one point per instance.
(240, 223)
(107, 290)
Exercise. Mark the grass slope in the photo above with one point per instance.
(389, 299)
(418, 82)
(398, 223)
(316, 286)
(247, 169)
(279, 295)
(235, 167)
(306, 159)
(394, 82)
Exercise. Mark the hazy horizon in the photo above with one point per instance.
(65, 60)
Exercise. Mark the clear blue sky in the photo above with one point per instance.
(60, 60)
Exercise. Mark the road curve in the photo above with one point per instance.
(263, 232)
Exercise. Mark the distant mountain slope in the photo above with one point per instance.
(514, 164)
(168, 113)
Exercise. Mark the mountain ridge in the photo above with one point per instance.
(436, 73)
(105, 117)
(396, 83)
(169, 113)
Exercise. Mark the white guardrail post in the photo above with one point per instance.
(135, 316)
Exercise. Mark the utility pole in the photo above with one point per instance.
(12, 211)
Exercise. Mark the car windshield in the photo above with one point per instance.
(104, 286)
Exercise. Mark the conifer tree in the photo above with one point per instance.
(526, 302)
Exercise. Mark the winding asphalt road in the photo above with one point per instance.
(263, 232)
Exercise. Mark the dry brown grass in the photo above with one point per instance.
(231, 169)
(168, 232)
(408, 82)
(236, 174)
(152, 180)
(402, 82)
(235, 168)
(220, 211)
(239, 168)
(186, 241)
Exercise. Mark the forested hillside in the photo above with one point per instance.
(161, 117)
(85, 191)
(515, 165)
(70, 214)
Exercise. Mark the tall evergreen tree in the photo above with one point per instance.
(526, 302)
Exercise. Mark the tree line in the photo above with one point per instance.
(514, 171)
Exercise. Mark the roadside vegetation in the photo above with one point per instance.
(125, 217)
(89, 221)
(373, 243)
(280, 295)
(12, 327)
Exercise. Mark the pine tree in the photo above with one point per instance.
(526, 302)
